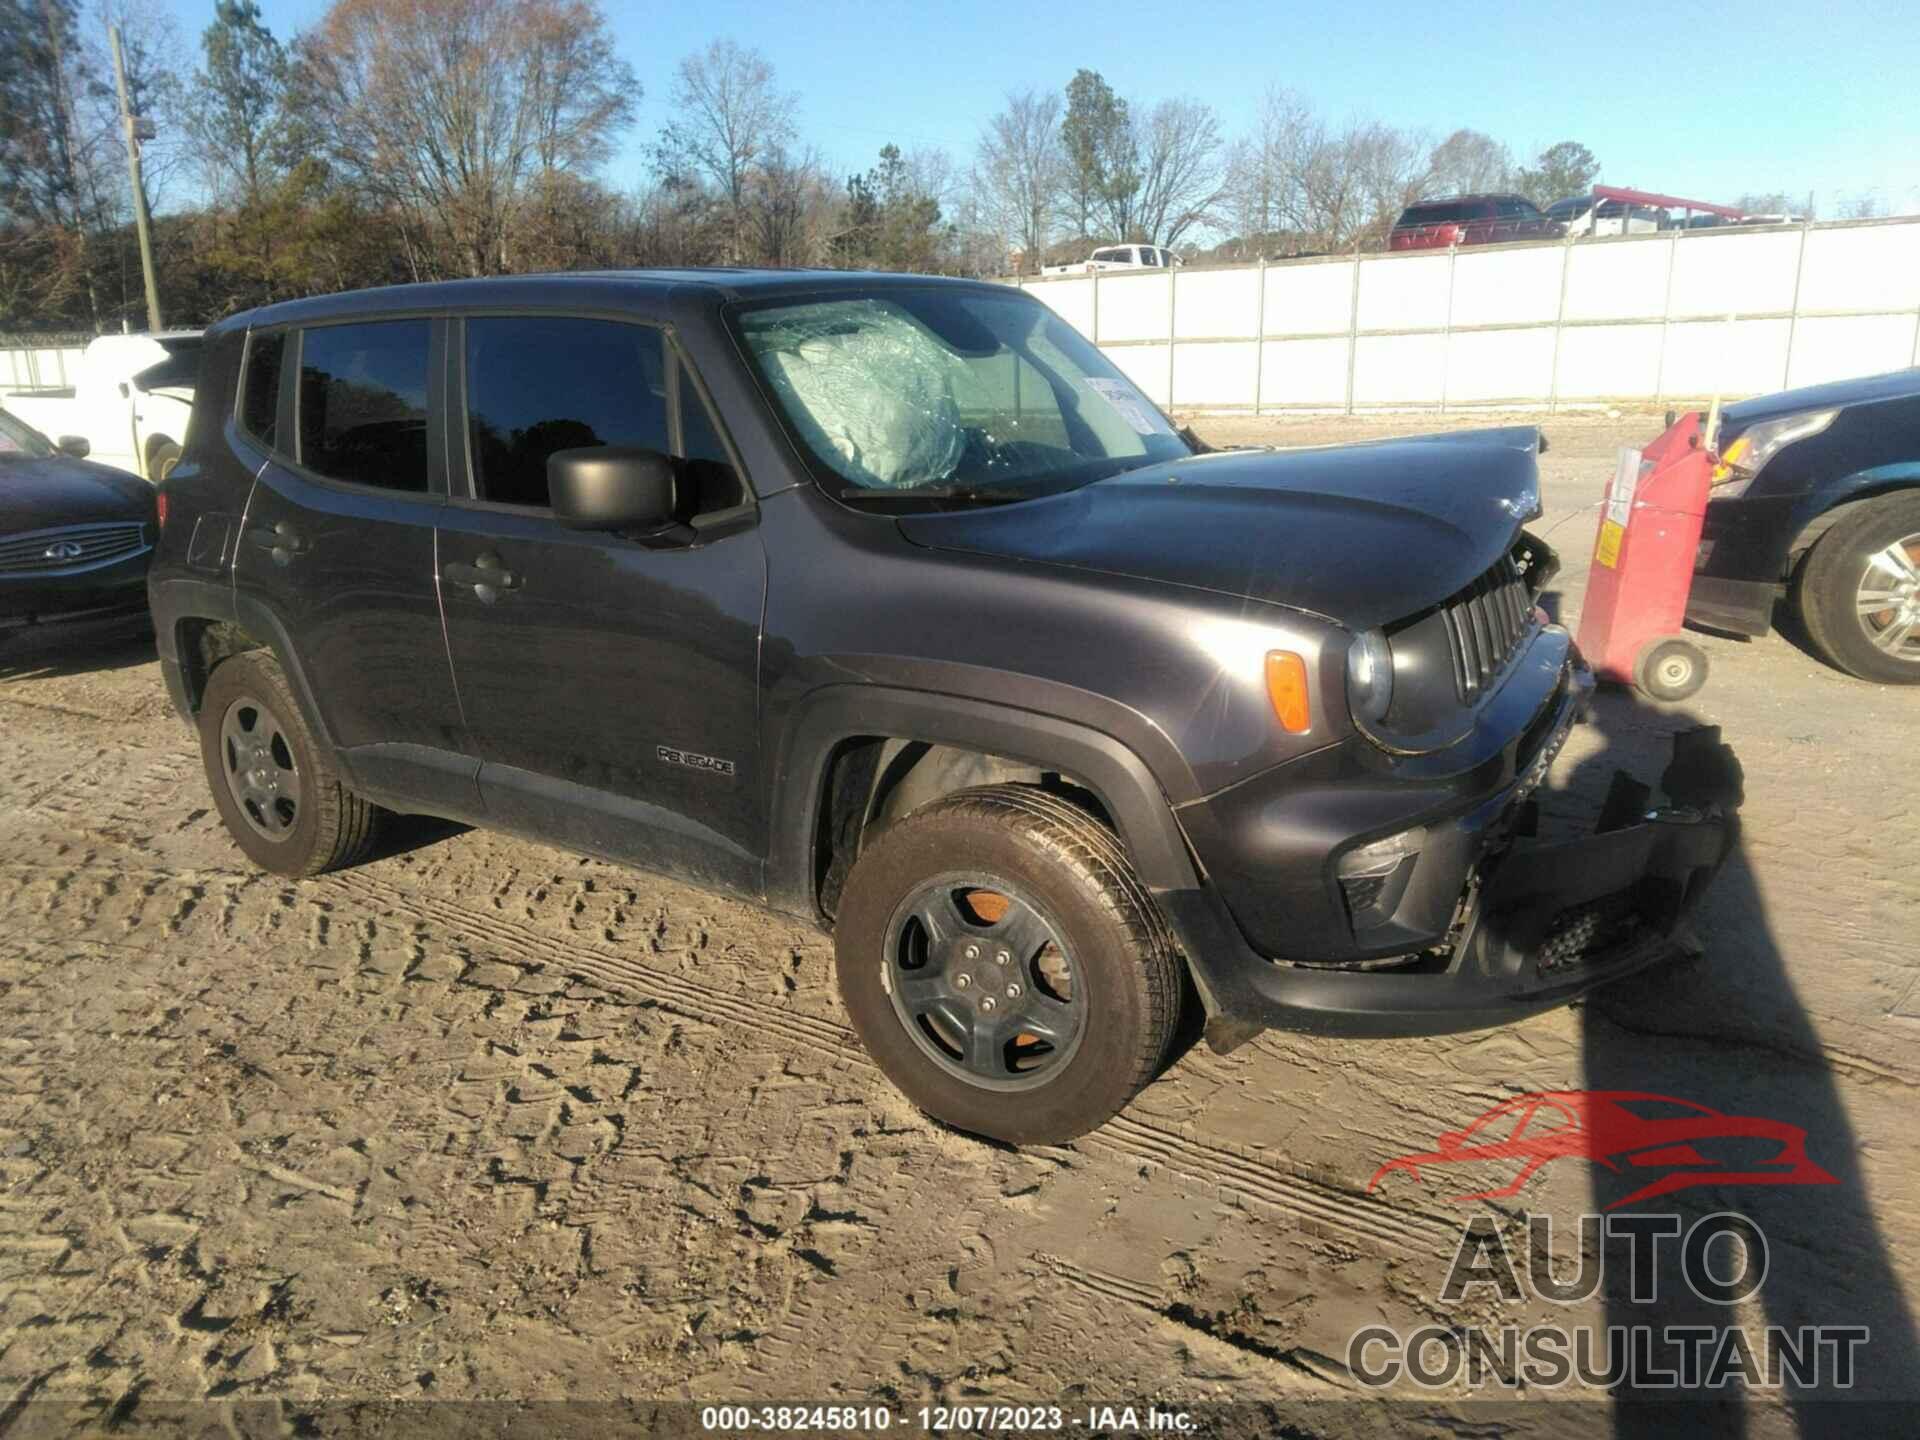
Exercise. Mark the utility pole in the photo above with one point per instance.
(135, 130)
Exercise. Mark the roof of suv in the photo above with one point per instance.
(581, 286)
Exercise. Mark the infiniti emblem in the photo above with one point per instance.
(65, 550)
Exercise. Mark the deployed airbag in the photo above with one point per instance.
(874, 388)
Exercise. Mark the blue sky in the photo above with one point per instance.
(1700, 100)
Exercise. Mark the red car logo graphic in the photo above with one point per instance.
(1626, 1131)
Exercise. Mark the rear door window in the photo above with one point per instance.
(363, 403)
(540, 383)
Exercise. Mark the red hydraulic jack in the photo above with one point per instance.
(1643, 566)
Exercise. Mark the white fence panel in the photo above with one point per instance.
(1870, 268)
(1729, 357)
(1135, 307)
(1399, 370)
(1618, 279)
(1214, 377)
(1407, 293)
(1508, 287)
(1735, 272)
(1215, 304)
(1314, 298)
(1609, 362)
(1834, 347)
(1305, 373)
(1488, 365)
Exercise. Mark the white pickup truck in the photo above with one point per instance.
(1119, 257)
(129, 402)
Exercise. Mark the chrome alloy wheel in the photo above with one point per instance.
(1887, 602)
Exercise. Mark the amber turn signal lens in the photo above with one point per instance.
(1287, 689)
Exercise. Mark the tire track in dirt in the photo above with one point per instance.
(1217, 1167)
(678, 994)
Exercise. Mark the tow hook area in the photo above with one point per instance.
(1556, 911)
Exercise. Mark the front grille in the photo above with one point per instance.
(70, 548)
(1485, 624)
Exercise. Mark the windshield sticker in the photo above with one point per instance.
(1123, 398)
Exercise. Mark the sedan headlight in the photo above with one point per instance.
(1369, 677)
(1742, 460)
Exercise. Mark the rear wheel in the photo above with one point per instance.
(1004, 965)
(1858, 592)
(275, 787)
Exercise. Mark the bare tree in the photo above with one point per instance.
(1390, 167)
(1180, 170)
(731, 118)
(1468, 162)
(1266, 171)
(449, 108)
(1020, 168)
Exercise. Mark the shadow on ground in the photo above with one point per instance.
(1730, 1031)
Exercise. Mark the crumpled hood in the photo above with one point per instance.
(1360, 534)
(40, 493)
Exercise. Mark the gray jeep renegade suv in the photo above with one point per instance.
(891, 603)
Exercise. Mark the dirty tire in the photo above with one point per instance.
(1122, 957)
(1670, 670)
(1828, 589)
(332, 827)
(162, 456)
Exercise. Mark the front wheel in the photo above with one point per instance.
(1858, 592)
(1005, 967)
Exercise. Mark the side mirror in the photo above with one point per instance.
(78, 446)
(612, 487)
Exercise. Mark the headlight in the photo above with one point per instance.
(1369, 676)
(1741, 461)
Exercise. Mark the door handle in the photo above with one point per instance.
(282, 541)
(487, 575)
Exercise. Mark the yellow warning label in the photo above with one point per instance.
(1607, 552)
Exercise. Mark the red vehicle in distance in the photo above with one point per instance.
(1471, 220)
(1627, 1131)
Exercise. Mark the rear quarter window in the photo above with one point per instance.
(260, 385)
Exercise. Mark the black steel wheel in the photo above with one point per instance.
(273, 784)
(979, 977)
(1004, 965)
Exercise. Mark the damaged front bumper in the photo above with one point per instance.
(1538, 923)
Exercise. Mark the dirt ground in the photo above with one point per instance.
(483, 1120)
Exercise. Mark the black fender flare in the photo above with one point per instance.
(833, 714)
(176, 599)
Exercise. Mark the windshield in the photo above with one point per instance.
(19, 438)
(951, 393)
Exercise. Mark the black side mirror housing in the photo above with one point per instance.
(78, 446)
(612, 487)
